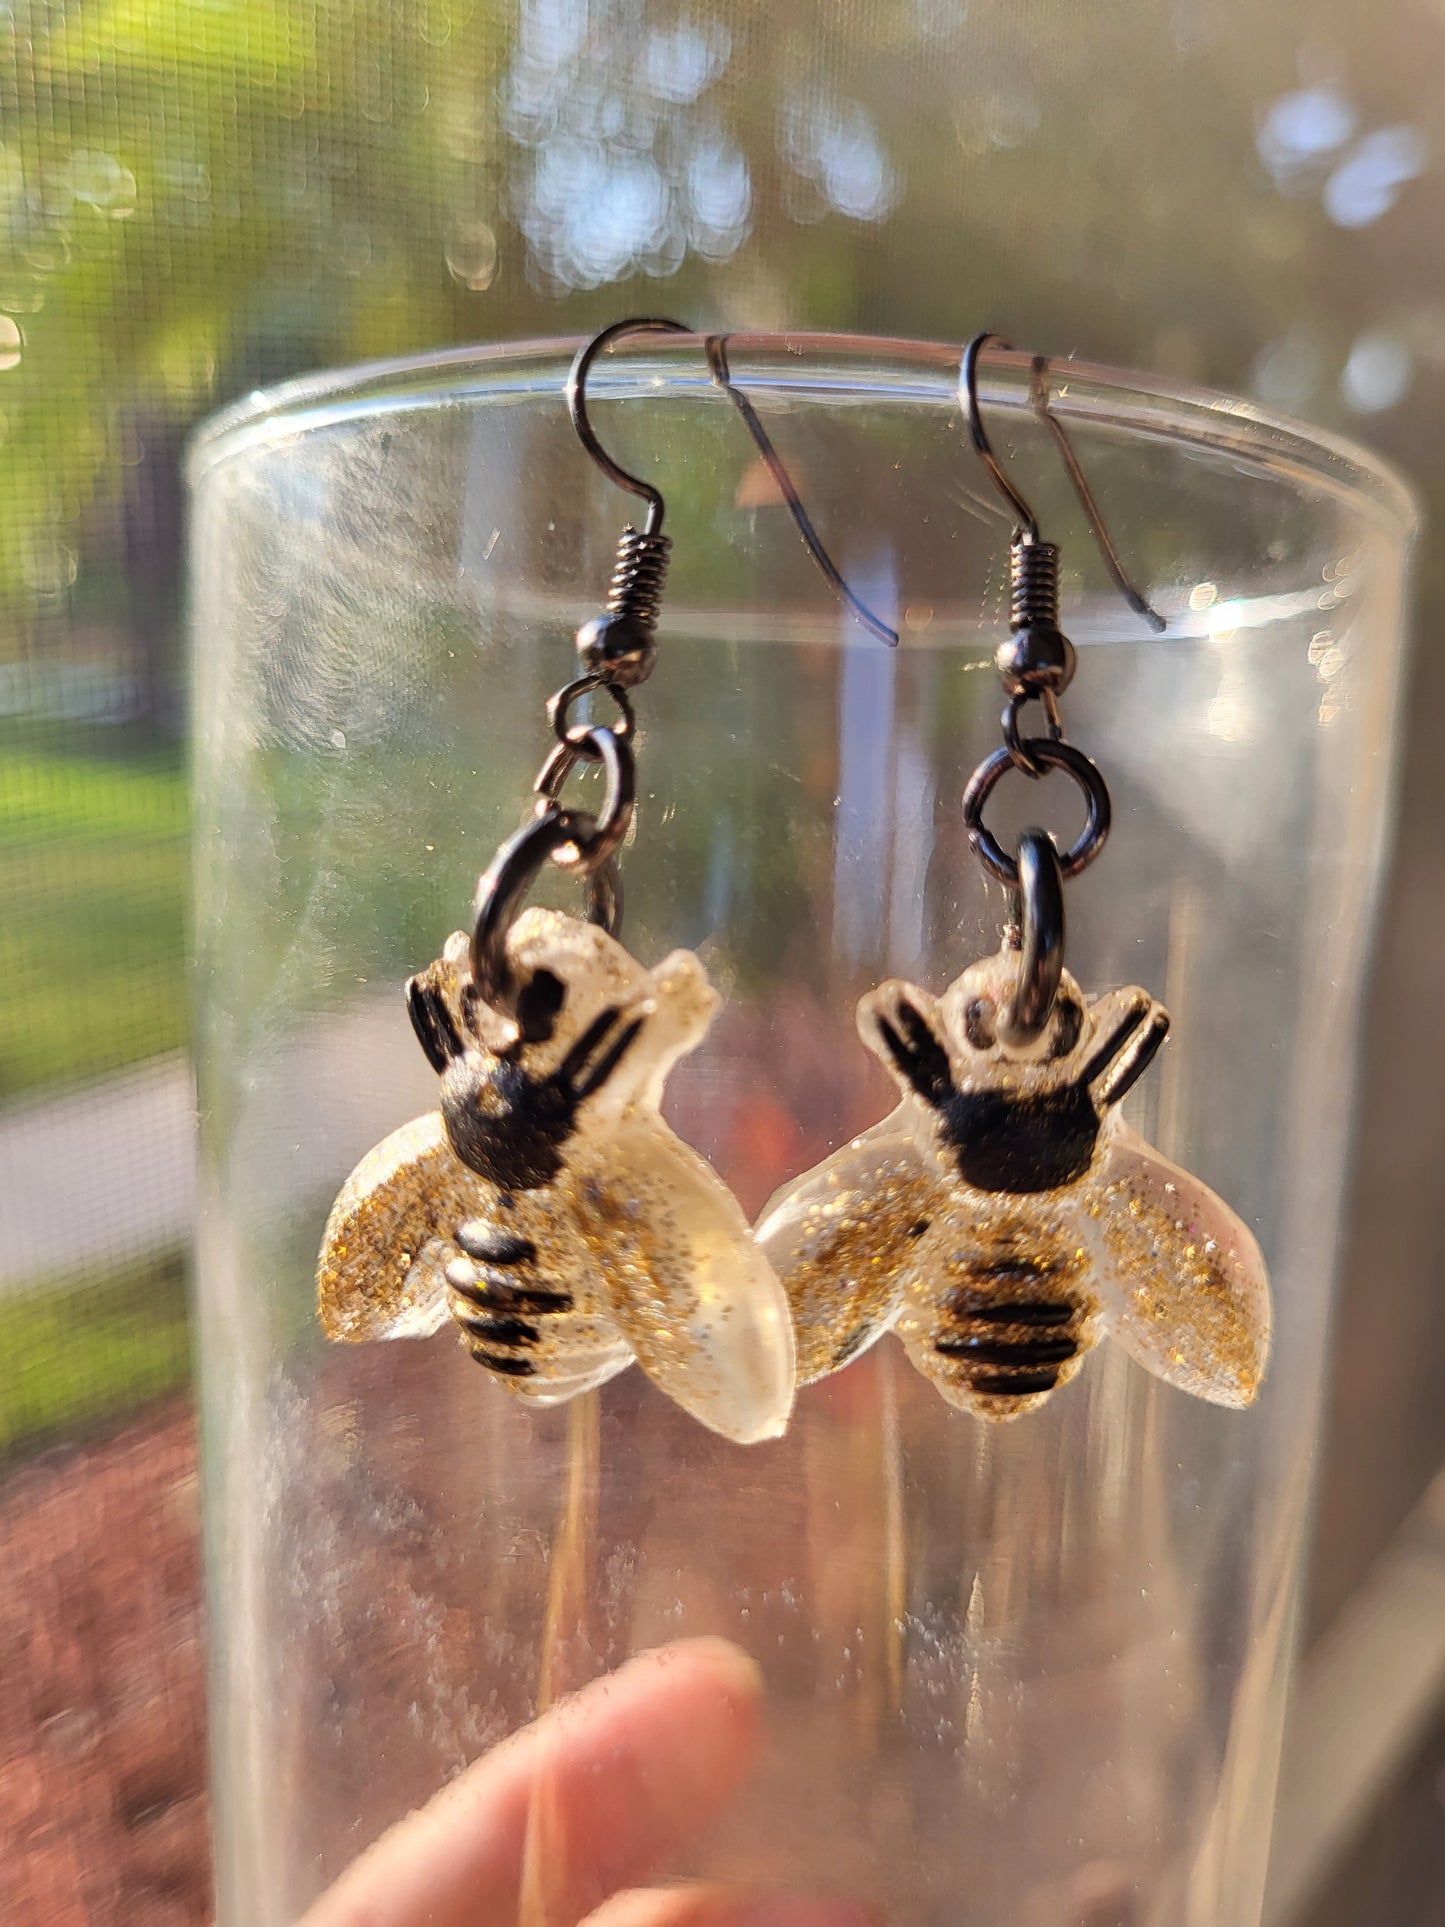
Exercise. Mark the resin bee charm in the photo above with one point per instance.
(547, 1209)
(1004, 1217)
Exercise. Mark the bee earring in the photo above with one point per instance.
(545, 1208)
(1004, 1217)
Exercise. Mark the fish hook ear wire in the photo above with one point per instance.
(717, 361)
(1027, 529)
(651, 542)
(582, 423)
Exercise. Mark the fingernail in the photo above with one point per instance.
(736, 1673)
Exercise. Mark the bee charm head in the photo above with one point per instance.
(592, 1028)
(1006, 1118)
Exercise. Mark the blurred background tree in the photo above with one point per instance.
(200, 198)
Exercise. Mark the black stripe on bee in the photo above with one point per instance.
(1002, 1384)
(499, 1294)
(490, 1247)
(1034, 1312)
(1015, 1271)
(506, 1367)
(531, 1298)
(539, 1298)
(1005, 1351)
(501, 1331)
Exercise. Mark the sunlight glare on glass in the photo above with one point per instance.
(685, 58)
(1223, 620)
(1377, 373)
(1301, 128)
(1367, 182)
(719, 195)
(1230, 716)
(835, 145)
(12, 343)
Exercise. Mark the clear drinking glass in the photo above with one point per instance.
(1023, 1673)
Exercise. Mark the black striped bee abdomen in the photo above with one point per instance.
(499, 1301)
(999, 1323)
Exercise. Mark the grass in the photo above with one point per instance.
(80, 1352)
(92, 914)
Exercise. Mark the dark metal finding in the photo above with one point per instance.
(642, 558)
(1027, 530)
(559, 707)
(577, 409)
(617, 652)
(1040, 940)
(717, 361)
(503, 889)
(602, 836)
(1046, 754)
(1036, 663)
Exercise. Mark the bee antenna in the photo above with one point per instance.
(432, 1022)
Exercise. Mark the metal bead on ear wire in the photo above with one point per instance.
(546, 1209)
(1003, 1217)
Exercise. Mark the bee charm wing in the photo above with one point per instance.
(842, 1239)
(1182, 1280)
(688, 1287)
(380, 1270)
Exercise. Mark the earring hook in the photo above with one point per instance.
(717, 361)
(716, 350)
(581, 421)
(1028, 526)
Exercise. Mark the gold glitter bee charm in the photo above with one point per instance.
(547, 1209)
(1003, 1217)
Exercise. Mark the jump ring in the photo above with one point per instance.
(503, 888)
(1041, 940)
(559, 708)
(1016, 742)
(605, 832)
(1044, 752)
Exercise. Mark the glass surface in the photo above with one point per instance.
(1020, 1671)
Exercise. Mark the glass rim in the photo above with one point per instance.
(824, 367)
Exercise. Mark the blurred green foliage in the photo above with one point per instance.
(200, 195)
(78, 1351)
(92, 879)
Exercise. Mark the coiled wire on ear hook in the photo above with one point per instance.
(642, 555)
(1027, 529)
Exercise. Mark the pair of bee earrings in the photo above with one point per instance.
(1001, 1219)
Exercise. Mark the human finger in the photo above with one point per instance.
(590, 1798)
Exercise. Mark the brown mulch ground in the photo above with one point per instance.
(102, 1724)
